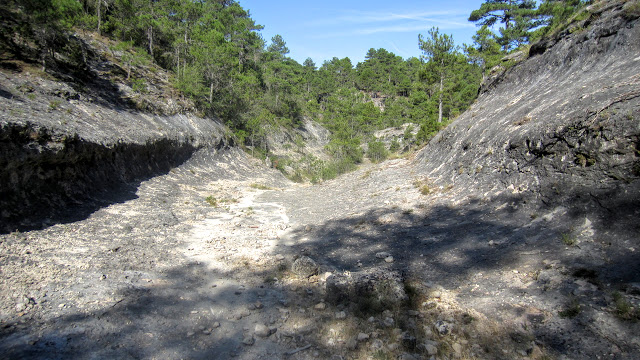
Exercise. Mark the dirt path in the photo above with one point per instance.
(197, 264)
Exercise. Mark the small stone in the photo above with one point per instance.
(382, 255)
(352, 344)
(458, 349)
(371, 319)
(363, 337)
(258, 305)
(413, 313)
(279, 257)
(320, 306)
(262, 292)
(388, 259)
(262, 330)
(215, 325)
(376, 344)
(388, 322)
(248, 340)
(431, 349)
(393, 346)
(190, 333)
(304, 267)
(443, 327)
(206, 332)
(251, 307)
(341, 315)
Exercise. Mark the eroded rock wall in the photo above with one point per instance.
(562, 126)
(61, 154)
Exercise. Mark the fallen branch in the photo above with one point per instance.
(294, 351)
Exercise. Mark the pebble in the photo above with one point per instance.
(262, 330)
(388, 259)
(458, 349)
(320, 306)
(248, 340)
(382, 255)
(431, 349)
(258, 305)
(388, 322)
(341, 315)
(279, 257)
(363, 337)
(352, 344)
(216, 325)
(443, 327)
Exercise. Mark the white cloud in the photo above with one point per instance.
(366, 17)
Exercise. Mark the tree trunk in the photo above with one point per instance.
(440, 98)
(150, 37)
(99, 10)
(211, 93)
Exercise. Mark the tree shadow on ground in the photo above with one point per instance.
(43, 188)
(172, 317)
(472, 247)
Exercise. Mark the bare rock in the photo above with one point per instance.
(304, 267)
(262, 330)
(373, 290)
(248, 340)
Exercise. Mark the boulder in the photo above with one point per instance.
(373, 290)
(304, 267)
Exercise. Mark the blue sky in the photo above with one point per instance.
(324, 29)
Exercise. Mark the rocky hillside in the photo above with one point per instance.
(65, 142)
(559, 130)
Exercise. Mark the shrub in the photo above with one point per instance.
(211, 201)
(377, 152)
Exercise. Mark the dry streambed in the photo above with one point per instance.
(212, 260)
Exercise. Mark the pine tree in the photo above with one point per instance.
(518, 17)
(439, 53)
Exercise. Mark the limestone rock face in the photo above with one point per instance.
(58, 148)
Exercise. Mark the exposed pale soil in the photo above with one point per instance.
(163, 274)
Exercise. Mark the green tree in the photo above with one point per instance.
(517, 16)
(278, 46)
(439, 52)
(485, 51)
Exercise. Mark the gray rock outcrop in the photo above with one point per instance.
(373, 290)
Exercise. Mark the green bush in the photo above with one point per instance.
(377, 152)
